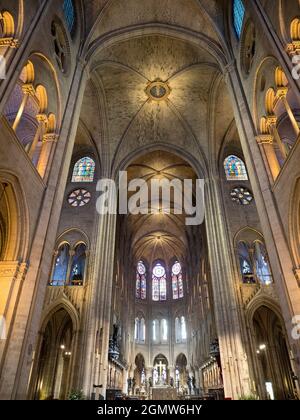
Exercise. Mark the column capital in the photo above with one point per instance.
(271, 120)
(41, 118)
(9, 42)
(281, 95)
(28, 89)
(282, 92)
(297, 275)
(265, 139)
(50, 138)
(293, 48)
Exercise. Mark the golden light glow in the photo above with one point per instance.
(158, 90)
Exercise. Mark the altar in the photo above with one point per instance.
(164, 393)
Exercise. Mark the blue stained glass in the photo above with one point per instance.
(78, 265)
(61, 266)
(177, 282)
(159, 283)
(141, 282)
(263, 269)
(238, 16)
(84, 170)
(235, 169)
(69, 12)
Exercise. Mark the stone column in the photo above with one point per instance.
(28, 90)
(281, 95)
(12, 275)
(228, 321)
(267, 150)
(42, 123)
(271, 124)
(17, 366)
(49, 141)
(99, 317)
(281, 261)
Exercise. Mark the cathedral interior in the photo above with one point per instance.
(142, 305)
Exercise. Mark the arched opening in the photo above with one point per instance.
(276, 378)
(181, 374)
(140, 374)
(12, 220)
(33, 110)
(7, 25)
(54, 372)
(295, 30)
(160, 371)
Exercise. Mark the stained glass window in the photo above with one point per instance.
(177, 330)
(183, 329)
(164, 330)
(262, 266)
(238, 16)
(177, 281)
(241, 196)
(136, 329)
(69, 13)
(84, 170)
(245, 263)
(79, 198)
(78, 266)
(159, 283)
(155, 330)
(61, 265)
(141, 282)
(140, 330)
(235, 169)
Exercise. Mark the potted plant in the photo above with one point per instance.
(76, 395)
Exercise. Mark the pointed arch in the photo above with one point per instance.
(84, 170)
(235, 169)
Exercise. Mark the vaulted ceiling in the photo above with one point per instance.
(104, 16)
(180, 44)
(162, 235)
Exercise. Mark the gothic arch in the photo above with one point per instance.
(294, 222)
(269, 348)
(73, 236)
(247, 233)
(57, 352)
(199, 165)
(258, 302)
(61, 303)
(263, 80)
(56, 102)
(219, 51)
(17, 217)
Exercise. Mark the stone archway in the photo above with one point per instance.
(55, 357)
(273, 366)
(140, 373)
(181, 374)
(160, 370)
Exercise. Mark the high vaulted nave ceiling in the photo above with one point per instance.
(124, 60)
(103, 16)
(163, 235)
